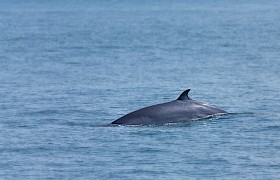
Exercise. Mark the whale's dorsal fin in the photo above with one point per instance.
(184, 95)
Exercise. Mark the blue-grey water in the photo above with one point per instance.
(69, 68)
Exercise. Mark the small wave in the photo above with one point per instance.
(42, 112)
(275, 127)
(257, 114)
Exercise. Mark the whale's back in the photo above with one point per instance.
(171, 112)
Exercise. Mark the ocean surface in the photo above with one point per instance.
(69, 68)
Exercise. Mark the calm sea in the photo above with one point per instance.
(69, 68)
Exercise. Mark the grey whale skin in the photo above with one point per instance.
(182, 109)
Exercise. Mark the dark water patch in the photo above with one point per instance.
(270, 129)
(276, 127)
(82, 124)
(42, 112)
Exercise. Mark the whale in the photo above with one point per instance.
(179, 110)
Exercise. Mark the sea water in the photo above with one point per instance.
(69, 68)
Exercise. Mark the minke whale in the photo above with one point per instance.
(179, 110)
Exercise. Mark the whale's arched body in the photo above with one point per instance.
(182, 109)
